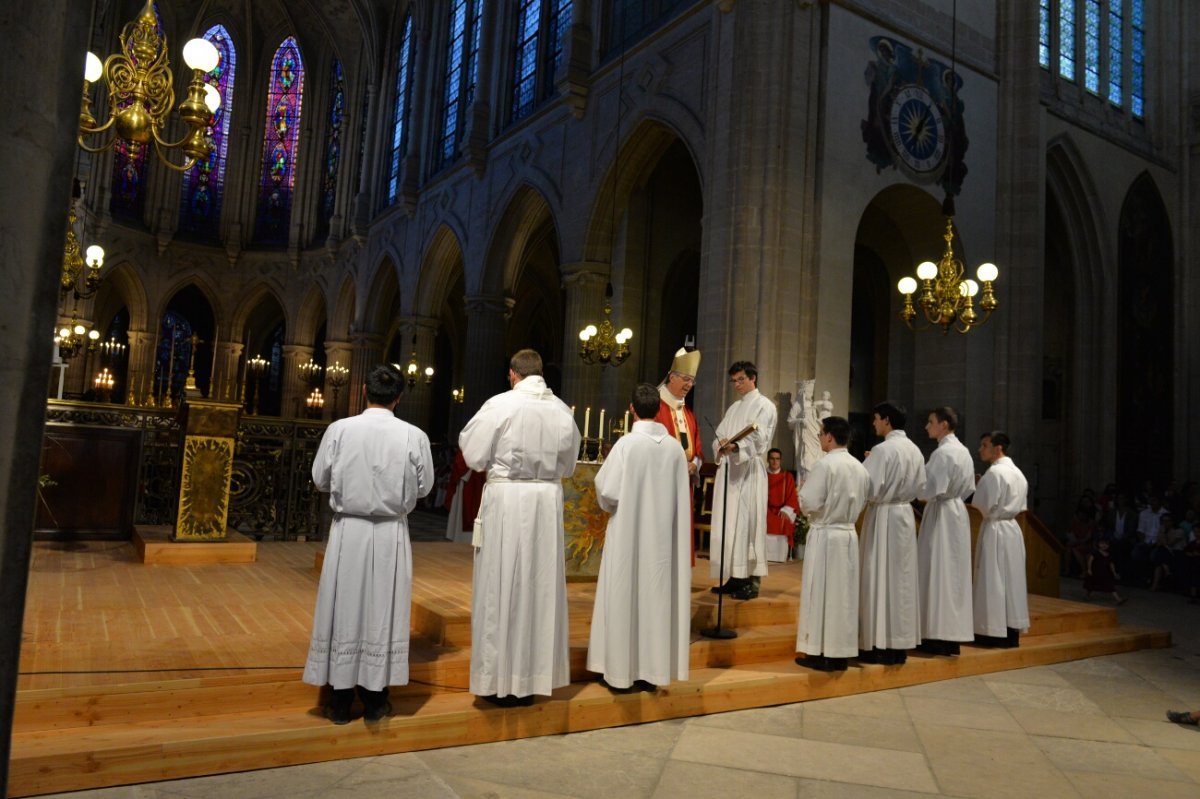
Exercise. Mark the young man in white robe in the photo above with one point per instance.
(833, 495)
(375, 467)
(527, 442)
(641, 620)
(944, 543)
(889, 616)
(739, 520)
(1001, 597)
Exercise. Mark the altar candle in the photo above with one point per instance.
(587, 420)
(600, 432)
(626, 428)
(572, 413)
(212, 372)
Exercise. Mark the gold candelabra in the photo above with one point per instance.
(315, 403)
(73, 337)
(604, 344)
(413, 371)
(458, 395)
(310, 371)
(947, 298)
(337, 376)
(75, 261)
(257, 368)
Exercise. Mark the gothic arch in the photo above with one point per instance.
(251, 298)
(525, 212)
(441, 265)
(383, 297)
(122, 286)
(202, 284)
(342, 318)
(309, 317)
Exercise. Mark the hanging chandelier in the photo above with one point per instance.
(141, 92)
(413, 371)
(74, 278)
(604, 345)
(947, 299)
(71, 338)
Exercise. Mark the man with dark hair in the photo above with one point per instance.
(375, 468)
(1001, 601)
(944, 544)
(782, 503)
(641, 619)
(832, 497)
(888, 601)
(527, 441)
(743, 538)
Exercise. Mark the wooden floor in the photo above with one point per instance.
(133, 672)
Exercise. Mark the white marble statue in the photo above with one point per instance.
(804, 418)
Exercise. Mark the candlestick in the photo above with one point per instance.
(212, 372)
(170, 369)
(587, 420)
(626, 428)
(600, 432)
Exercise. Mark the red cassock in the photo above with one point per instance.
(472, 491)
(689, 439)
(781, 490)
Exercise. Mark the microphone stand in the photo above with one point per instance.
(718, 631)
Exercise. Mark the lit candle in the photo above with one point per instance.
(600, 432)
(587, 420)
(626, 429)
(572, 412)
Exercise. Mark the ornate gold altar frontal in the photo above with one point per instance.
(210, 432)
(584, 524)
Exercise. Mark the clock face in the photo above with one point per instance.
(918, 133)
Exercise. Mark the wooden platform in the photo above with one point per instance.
(154, 545)
(134, 673)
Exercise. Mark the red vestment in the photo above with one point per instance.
(472, 491)
(781, 491)
(689, 440)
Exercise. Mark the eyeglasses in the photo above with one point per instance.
(687, 380)
(737, 381)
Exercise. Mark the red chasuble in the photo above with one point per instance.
(781, 490)
(472, 491)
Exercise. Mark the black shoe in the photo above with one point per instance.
(338, 709)
(375, 703)
(732, 585)
(836, 664)
(501, 701)
(647, 687)
(631, 689)
(899, 657)
(524, 701)
(930, 647)
(379, 712)
(815, 662)
(1014, 638)
(989, 641)
(871, 656)
(747, 591)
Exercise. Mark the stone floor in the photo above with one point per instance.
(1092, 728)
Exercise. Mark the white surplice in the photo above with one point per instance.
(944, 544)
(527, 441)
(833, 495)
(745, 512)
(641, 620)
(1001, 598)
(375, 468)
(889, 604)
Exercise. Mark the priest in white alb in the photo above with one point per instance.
(375, 467)
(888, 608)
(527, 441)
(1001, 598)
(641, 619)
(833, 495)
(739, 520)
(944, 543)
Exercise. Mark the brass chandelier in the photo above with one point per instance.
(74, 262)
(413, 370)
(604, 344)
(947, 299)
(141, 93)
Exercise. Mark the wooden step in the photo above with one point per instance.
(115, 752)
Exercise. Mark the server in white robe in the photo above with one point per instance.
(833, 495)
(944, 543)
(889, 617)
(375, 468)
(527, 441)
(739, 521)
(641, 620)
(1001, 598)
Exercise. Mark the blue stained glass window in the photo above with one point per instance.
(1091, 45)
(403, 104)
(1066, 39)
(528, 28)
(1044, 33)
(560, 22)
(333, 146)
(1137, 52)
(280, 141)
(461, 62)
(204, 184)
(1116, 52)
(128, 181)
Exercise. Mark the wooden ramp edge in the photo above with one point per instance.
(106, 748)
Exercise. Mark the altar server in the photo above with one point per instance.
(833, 495)
(375, 468)
(889, 622)
(1001, 601)
(641, 620)
(527, 441)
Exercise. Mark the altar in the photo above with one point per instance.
(584, 523)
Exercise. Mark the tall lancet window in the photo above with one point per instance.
(204, 184)
(333, 146)
(462, 63)
(401, 109)
(541, 27)
(1066, 39)
(1137, 65)
(280, 142)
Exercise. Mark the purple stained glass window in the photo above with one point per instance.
(204, 184)
(401, 109)
(280, 142)
(333, 145)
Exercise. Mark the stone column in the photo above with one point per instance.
(295, 387)
(417, 400)
(228, 381)
(485, 366)
(38, 129)
(584, 283)
(141, 366)
(342, 354)
(367, 350)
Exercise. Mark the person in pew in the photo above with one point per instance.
(375, 467)
(1001, 600)
(832, 497)
(641, 619)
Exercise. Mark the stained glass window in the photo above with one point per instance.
(362, 141)
(333, 146)
(529, 18)
(128, 181)
(173, 355)
(204, 184)
(1091, 45)
(1066, 39)
(1044, 33)
(280, 142)
(462, 59)
(1116, 52)
(559, 24)
(400, 114)
(1137, 52)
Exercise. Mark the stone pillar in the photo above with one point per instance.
(573, 78)
(360, 215)
(584, 283)
(228, 383)
(367, 350)
(295, 386)
(485, 367)
(478, 116)
(38, 130)
(140, 374)
(417, 400)
(340, 353)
